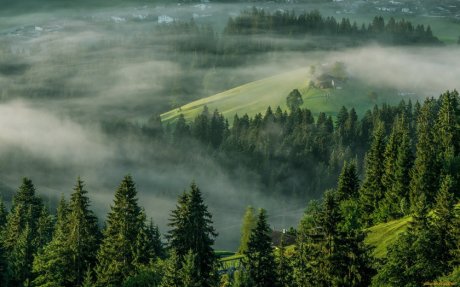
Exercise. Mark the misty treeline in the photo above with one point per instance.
(257, 21)
(250, 37)
(410, 172)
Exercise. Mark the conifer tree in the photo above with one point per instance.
(372, 189)
(189, 271)
(83, 237)
(52, 264)
(191, 229)
(444, 220)
(396, 178)
(3, 266)
(283, 267)
(260, 262)
(172, 276)
(27, 229)
(307, 250)
(447, 133)
(3, 214)
(118, 248)
(425, 172)
(348, 183)
(88, 281)
(249, 223)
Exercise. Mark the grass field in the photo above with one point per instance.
(255, 97)
(384, 234)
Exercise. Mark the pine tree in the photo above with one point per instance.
(348, 183)
(83, 238)
(189, 272)
(155, 246)
(3, 214)
(52, 264)
(27, 229)
(283, 267)
(425, 172)
(260, 262)
(372, 189)
(172, 276)
(3, 266)
(249, 223)
(447, 133)
(307, 249)
(191, 229)
(145, 249)
(88, 281)
(117, 251)
(396, 178)
(444, 220)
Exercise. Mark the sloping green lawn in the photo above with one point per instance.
(255, 97)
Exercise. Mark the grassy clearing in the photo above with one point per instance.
(384, 234)
(255, 97)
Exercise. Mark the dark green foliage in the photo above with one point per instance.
(84, 236)
(28, 228)
(189, 271)
(348, 184)
(258, 21)
(294, 100)
(147, 276)
(329, 254)
(425, 173)
(191, 230)
(181, 129)
(52, 264)
(283, 266)
(372, 189)
(427, 251)
(117, 253)
(447, 134)
(66, 259)
(3, 214)
(396, 178)
(172, 272)
(443, 222)
(260, 261)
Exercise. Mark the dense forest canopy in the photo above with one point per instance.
(317, 127)
(411, 169)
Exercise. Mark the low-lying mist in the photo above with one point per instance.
(65, 75)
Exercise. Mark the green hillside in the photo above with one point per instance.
(384, 234)
(255, 97)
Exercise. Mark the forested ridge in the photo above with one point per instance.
(258, 21)
(411, 158)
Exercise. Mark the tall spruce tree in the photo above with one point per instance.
(118, 249)
(396, 178)
(372, 189)
(260, 262)
(84, 235)
(447, 134)
(348, 184)
(27, 229)
(283, 266)
(189, 271)
(444, 221)
(172, 275)
(307, 250)
(52, 264)
(3, 215)
(425, 172)
(191, 229)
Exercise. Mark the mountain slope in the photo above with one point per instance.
(255, 97)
